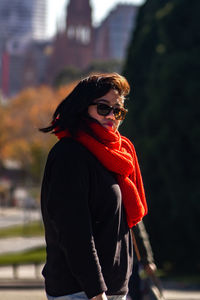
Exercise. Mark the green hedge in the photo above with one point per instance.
(162, 68)
(32, 229)
(34, 256)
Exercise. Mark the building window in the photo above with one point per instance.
(80, 34)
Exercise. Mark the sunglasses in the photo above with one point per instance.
(104, 110)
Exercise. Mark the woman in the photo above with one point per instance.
(92, 193)
(145, 260)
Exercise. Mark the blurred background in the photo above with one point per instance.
(45, 47)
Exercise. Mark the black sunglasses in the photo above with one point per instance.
(104, 110)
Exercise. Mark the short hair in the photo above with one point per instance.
(70, 112)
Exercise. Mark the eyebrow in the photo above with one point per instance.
(104, 100)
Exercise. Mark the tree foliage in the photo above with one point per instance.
(163, 68)
(69, 74)
(20, 120)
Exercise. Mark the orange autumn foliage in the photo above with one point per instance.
(22, 116)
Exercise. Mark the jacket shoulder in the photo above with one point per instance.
(68, 146)
(69, 151)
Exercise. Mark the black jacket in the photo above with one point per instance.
(143, 243)
(88, 241)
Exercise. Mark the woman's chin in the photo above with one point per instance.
(109, 127)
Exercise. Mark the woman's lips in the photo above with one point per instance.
(108, 124)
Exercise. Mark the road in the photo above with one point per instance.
(182, 295)
(14, 216)
(27, 294)
(18, 244)
(39, 294)
(17, 216)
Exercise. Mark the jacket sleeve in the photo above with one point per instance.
(143, 243)
(69, 209)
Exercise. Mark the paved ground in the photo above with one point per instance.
(28, 294)
(10, 290)
(16, 216)
(39, 294)
(23, 272)
(12, 217)
(182, 295)
(9, 245)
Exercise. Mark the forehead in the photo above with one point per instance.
(112, 97)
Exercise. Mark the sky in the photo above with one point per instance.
(101, 9)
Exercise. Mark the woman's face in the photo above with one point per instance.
(112, 98)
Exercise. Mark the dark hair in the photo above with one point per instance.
(73, 108)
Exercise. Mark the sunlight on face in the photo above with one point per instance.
(112, 98)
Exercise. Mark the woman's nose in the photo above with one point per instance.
(111, 115)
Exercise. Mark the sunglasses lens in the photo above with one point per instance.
(117, 113)
(103, 109)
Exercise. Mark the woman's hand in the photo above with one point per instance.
(100, 297)
(150, 269)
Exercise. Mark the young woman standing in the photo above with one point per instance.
(92, 194)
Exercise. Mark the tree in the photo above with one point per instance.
(71, 74)
(163, 67)
(107, 66)
(67, 75)
(21, 118)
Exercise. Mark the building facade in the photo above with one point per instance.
(113, 35)
(73, 47)
(21, 22)
(28, 60)
(81, 44)
(23, 18)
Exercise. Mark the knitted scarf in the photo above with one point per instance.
(117, 154)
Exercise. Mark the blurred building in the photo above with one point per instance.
(21, 22)
(29, 60)
(22, 18)
(80, 43)
(73, 47)
(113, 35)
(35, 63)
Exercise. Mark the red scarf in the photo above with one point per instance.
(117, 154)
